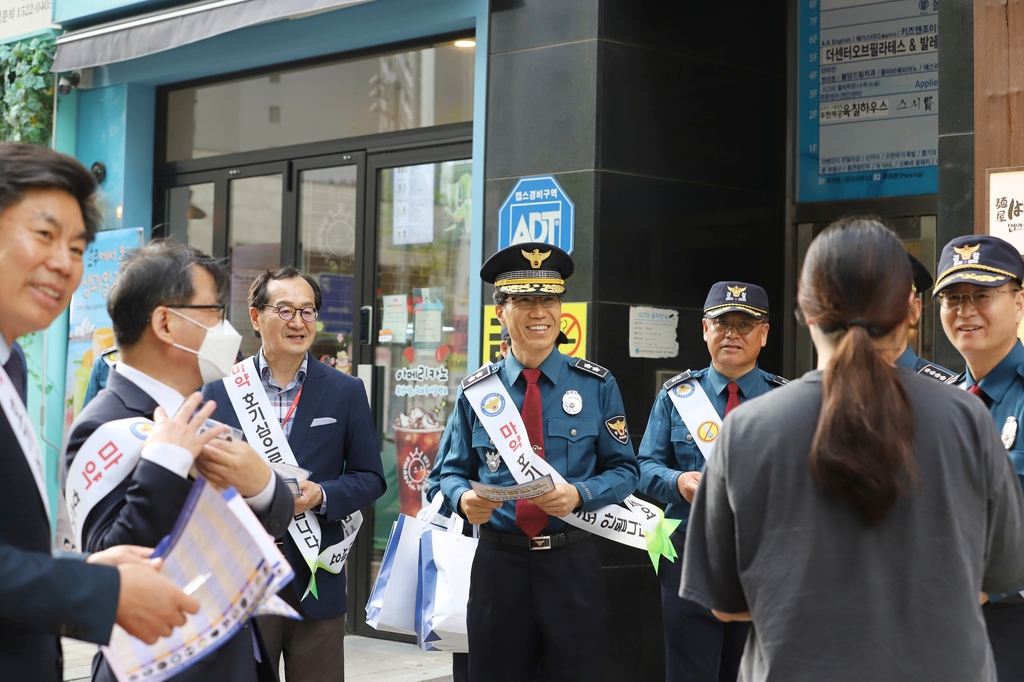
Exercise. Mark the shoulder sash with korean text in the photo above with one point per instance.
(264, 433)
(697, 412)
(106, 458)
(505, 426)
(17, 417)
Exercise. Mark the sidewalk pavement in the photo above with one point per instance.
(366, 660)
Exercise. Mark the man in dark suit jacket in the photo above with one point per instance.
(165, 305)
(327, 422)
(47, 218)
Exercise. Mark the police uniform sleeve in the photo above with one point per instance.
(458, 466)
(617, 472)
(658, 478)
(1004, 534)
(710, 570)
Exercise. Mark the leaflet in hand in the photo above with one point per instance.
(523, 491)
(292, 476)
(220, 552)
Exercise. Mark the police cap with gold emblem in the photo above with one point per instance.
(728, 297)
(978, 259)
(530, 269)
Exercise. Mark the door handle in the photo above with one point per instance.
(365, 324)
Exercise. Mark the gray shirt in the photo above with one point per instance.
(832, 599)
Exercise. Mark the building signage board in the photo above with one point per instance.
(1006, 205)
(537, 210)
(20, 17)
(868, 86)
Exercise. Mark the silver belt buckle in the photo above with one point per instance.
(540, 542)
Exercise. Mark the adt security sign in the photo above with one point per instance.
(537, 210)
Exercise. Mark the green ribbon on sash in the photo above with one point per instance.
(659, 541)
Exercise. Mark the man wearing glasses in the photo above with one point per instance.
(681, 433)
(979, 294)
(168, 316)
(325, 421)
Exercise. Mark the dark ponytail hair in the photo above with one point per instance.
(855, 286)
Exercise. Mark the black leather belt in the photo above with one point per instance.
(556, 541)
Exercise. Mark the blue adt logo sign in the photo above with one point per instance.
(537, 210)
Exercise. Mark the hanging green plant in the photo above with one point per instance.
(26, 108)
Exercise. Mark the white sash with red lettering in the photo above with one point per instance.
(264, 433)
(504, 424)
(697, 412)
(17, 417)
(106, 458)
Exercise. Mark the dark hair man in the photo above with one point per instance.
(327, 428)
(167, 309)
(47, 218)
(530, 610)
(979, 293)
(680, 436)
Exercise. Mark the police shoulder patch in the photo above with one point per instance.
(677, 379)
(935, 372)
(590, 368)
(479, 375)
(617, 427)
(777, 380)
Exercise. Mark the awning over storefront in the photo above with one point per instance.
(159, 31)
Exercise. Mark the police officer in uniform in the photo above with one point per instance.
(908, 358)
(698, 647)
(981, 304)
(537, 599)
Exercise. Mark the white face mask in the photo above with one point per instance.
(218, 351)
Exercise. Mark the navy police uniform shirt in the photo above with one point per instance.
(910, 360)
(668, 448)
(591, 449)
(1004, 386)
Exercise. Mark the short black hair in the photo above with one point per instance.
(499, 297)
(25, 167)
(153, 275)
(258, 296)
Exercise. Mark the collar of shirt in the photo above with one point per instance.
(551, 367)
(907, 358)
(5, 350)
(268, 377)
(719, 381)
(165, 396)
(998, 381)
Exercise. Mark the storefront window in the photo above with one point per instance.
(190, 215)
(423, 306)
(254, 242)
(416, 89)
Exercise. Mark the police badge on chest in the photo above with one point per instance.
(1009, 433)
(493, 461)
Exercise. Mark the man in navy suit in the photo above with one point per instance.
(167, 312)
(327, 422)
(47, 218)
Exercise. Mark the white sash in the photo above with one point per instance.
(106, 458)
(697, 412)
(256, 415)
(504, 424)
(17, 417)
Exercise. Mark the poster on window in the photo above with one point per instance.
(868, 88)
(414, 205)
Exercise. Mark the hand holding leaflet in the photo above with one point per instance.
(523, 491)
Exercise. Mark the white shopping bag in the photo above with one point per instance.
(392, 603)
(446, 562)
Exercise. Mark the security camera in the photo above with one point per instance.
(68, 82)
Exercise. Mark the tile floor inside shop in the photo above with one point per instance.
(366, 660)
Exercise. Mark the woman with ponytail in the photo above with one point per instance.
(856, 514)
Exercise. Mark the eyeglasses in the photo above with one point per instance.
(744, 327)
(222, 308)
(287, 313)
(980, 299)
(527, 302)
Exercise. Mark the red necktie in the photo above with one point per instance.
(734, 397)
(529, 517)
(976, 390)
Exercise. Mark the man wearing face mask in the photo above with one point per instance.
(168, 316)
